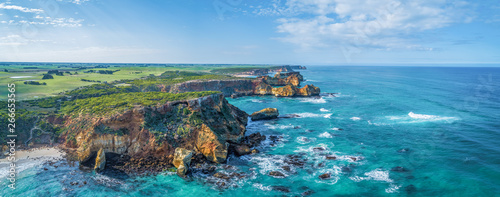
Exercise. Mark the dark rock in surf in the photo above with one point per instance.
(399, 169)
(325, 176)
(276, 174)
(281, 189)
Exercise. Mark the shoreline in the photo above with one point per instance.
(34, 153)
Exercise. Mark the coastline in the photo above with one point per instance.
(23, 156)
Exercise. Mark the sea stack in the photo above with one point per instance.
(182, 160)
(100, 161)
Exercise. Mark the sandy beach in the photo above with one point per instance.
(25, 155)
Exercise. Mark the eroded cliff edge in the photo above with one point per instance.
(281, 85)
(206, 125)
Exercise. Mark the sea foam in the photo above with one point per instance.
(355, 118)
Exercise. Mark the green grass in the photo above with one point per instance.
(122, 101)
(174, 77)
(128, 73)
(233, 70)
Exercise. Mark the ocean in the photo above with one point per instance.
(392, 131)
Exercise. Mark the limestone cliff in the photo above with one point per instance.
(286, 85)
(205, 125)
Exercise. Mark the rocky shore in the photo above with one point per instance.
(181, 136)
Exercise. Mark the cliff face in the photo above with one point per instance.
(205, 125)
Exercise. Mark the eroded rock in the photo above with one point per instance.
(100, 161)
(265, 114)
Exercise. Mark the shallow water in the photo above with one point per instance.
(439, 124)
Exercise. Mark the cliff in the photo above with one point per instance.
(206, 125)
(288, 86)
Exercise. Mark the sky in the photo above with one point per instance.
(307, 32)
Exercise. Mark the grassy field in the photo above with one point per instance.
(18, 73)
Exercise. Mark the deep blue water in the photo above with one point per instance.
(440, 125)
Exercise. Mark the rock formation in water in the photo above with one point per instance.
(100, 161)
(182, 160)
(265, 114)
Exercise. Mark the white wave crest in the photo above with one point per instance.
(314, 100)
(376, 175)
(392, 188)
(270, 126)
(355, 118)
(326, 135)
(324, 110)
(421, 116)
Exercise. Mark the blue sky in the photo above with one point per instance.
(323, 32)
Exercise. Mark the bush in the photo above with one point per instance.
(48, 76)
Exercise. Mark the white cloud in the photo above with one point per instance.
(79, 2)
(381, 24)
(19, 8)
(55, 22)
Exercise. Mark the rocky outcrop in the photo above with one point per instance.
(286, 91)
(273, 81)
(308, 90)
(242, 149)
(263, 89)
(290, 91)
(287, 86)
(285, 68)
(288, 74)
(100, 161)
(265, 114)
(206, 125)
(293, 80)
(182, 160)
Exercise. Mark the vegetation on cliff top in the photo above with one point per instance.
(233, 70)
(121, 101)
(174, 77)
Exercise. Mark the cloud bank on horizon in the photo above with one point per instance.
(252, 31)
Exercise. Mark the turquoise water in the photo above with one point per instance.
(440, 125)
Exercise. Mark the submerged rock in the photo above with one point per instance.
(331, 157)
(242, 150)
(325, 176)
(100, 161)
(265, 114)
(410, 189)
(281, 189)
(255, 139)
(399, 169)
(221, 175)
(286, 168)
(276, 174)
